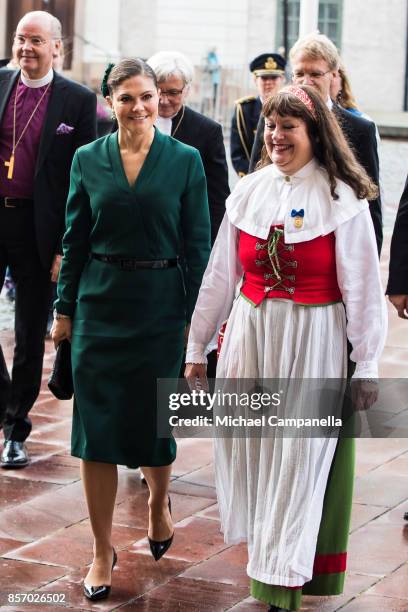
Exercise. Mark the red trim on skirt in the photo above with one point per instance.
(330, 564)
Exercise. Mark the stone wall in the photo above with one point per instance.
(373, 49)
(138, 27)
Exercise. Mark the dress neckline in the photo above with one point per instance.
(147, 166)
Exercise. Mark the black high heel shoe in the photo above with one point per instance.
(275, 609)
(158, 549)
(95, 593)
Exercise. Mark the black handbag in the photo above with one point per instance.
(60, 382)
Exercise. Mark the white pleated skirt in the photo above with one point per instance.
(271, 490)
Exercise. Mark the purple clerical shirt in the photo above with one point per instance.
(25, 158)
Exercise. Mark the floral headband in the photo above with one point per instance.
(104, 84)
(301, 95)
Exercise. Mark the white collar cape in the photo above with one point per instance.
(254, 204)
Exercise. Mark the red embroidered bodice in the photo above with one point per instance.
(303, 272)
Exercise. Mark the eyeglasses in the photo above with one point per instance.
(34, 41)
(172, 94)
(313, 76)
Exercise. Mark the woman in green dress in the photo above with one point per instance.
(136, 198)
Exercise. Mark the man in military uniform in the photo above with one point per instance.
(269, 75)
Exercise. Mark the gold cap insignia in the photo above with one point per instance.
(270, 64)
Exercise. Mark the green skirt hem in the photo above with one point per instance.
(291, 599)
(130, 464)
(325, 584)
(280, 596)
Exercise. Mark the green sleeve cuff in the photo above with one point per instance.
(65, 308)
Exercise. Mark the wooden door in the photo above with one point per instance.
(63, 9)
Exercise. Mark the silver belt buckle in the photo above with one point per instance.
(6, 205)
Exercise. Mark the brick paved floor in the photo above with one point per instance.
(45, 541)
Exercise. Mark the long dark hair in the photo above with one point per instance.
(345, 96)
(329, 144)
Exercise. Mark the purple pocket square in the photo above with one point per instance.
(63, 128)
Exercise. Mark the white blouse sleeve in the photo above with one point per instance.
(216, 294)
(358, 276)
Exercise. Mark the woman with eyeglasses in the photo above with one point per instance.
(295, 272)
(175, 75)
(134, 197)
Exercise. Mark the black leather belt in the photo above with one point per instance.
(15, 202)
(131, 263)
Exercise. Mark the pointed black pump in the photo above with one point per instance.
(95, 593)
(158, 549)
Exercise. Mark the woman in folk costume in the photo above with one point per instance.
(135, 195)
(299, 238)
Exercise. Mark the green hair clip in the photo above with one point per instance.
(104, 84)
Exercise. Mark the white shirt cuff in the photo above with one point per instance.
(195, 353)
(366, 369)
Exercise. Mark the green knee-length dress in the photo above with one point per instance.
(128, 325)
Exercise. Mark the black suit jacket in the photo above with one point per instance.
(398, 277)
(204, 134)
(244, 124)
(258, 144)
(361, 136)
(75, 106)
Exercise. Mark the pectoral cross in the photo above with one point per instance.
(10, 165)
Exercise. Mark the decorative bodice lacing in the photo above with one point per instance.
(277, 261)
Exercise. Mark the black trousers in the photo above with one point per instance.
(18, 250)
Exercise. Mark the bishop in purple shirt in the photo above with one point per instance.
(44, 118)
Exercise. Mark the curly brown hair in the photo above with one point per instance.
(329, 144)
(345, 96)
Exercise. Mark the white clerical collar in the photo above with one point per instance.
(329, 103)
(35, 83)
(164, 124)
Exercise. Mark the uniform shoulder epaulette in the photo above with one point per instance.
(245, 99)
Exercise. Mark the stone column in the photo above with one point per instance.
(77, 66)
(309, 16)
